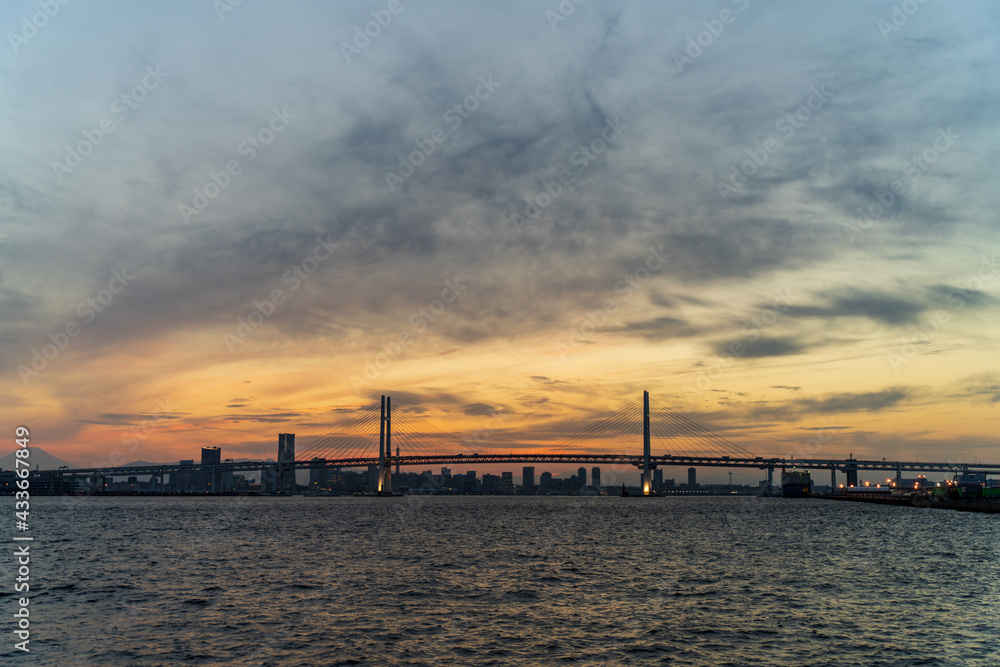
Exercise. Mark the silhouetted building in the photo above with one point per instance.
(491, 483)
(268, 480)
(286, 455)
(373, 478)
(507, 482)
(595, 478)
(470, 481)
(183, 482)
(692, 478)
(658, 480)
(319, 478)
(581, 476)
(528, 480)
(545, 482)
(211, 481)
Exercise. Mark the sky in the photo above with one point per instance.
(220, 221)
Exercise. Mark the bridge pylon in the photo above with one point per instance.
(385, 447)
(647, 482)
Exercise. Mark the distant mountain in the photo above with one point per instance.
(39, 459)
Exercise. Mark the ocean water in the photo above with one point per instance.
(506, 581)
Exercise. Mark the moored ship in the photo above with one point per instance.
(796, 484)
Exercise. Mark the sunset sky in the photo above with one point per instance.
(229, 220)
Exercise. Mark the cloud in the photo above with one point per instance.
(764, 347)
(980, 386)
(660, 328)
(878, 306)
(480, 409)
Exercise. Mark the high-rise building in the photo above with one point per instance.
(545, 482)
(491, 483)
(183, 481)
(528, 480)
(507, 482)
(581, 477)
(595, 478)
(286, 446)
(658, 480)
(692, 478)
(318, 477)
(211, 481)
(268, 479)
(470, 481)
(286, 455)
(373, 478)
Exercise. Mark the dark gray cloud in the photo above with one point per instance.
(980, 387)
(762, 347)
(882, 307)
(844, 402)
(480, 409)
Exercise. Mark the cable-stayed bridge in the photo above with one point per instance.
(644, 434)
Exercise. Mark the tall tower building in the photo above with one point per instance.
(658, 480)
(581, 476)
(595, 478)
(528, 480)
(692, 478)
(211, 481)
(286, 455)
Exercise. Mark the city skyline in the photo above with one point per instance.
(224, 224)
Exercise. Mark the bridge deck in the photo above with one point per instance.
(594, 459)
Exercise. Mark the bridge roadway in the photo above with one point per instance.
(636, 460)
